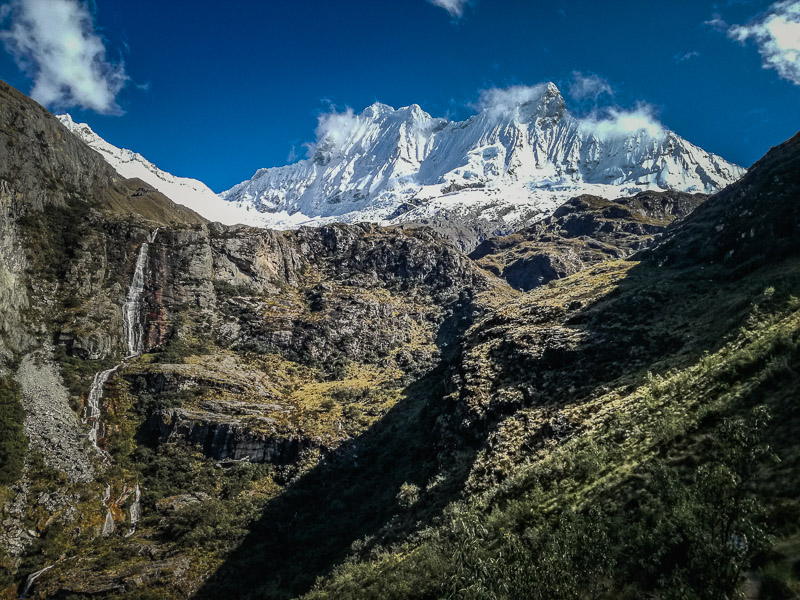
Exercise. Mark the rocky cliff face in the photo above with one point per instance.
(329, 298)
(582, 232)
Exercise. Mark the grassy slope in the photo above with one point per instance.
(596, 489)
(620, 415)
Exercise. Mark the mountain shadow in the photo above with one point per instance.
(611, 325)
(353, 494)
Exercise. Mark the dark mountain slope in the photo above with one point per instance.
(749, 224)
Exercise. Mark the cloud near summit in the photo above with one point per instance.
(55, 43)
(588, 86)
(502, 100)
(615, 122)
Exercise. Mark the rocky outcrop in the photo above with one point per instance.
(222, 436)
(314, 292)
(15, 336)
(583, 232)
(324, 297)
(751, 223)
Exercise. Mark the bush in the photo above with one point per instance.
(13, 444)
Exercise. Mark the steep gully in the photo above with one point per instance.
(133, 330)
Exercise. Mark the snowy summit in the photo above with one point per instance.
(516, 160)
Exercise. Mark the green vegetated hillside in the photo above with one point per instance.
(358, 412)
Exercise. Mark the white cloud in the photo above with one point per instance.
(503, 100)
(454, 7)
(333, 130)
(55, 42)
(777, 34)
(588, 86)
(614, 122)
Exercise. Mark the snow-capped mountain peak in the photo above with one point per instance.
(189, 192)
(517, 158)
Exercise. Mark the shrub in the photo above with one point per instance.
(13, 444)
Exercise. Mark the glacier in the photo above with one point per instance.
(510, 164)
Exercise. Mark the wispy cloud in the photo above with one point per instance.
(615, 122)
(777, 34)
(716, 22)
(589, 86)
(684, 56)
(454, 7)
(55, 43)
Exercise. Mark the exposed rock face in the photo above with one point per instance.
(322, 296)
(14, 334)
(238, 273)
(40, 157)
(223, 438)
(584, 231)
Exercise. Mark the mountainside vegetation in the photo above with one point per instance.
(603, 405)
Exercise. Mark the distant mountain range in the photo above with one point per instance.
(503, 168)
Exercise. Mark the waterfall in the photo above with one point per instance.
(92, 410)
(133, 331)
(135, 511)
(132, 308)
(33, 577)
(134, 334)
(108, 525)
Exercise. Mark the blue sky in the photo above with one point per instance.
(215, 91)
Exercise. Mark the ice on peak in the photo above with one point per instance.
(519, 156)
(377, 109)
(552, 89)
(521, 146)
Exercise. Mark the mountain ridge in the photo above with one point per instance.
(191, 193)
(510, 158)
(514, 162)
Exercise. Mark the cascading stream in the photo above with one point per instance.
(134, 335)
(133, 329)
(135, 510)
(108, 524)
(31, 578)
(91, 412)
